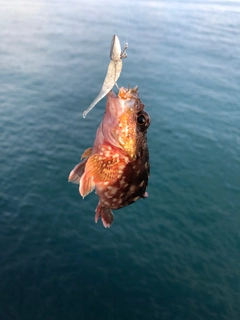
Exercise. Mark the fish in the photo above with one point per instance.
(117, 166)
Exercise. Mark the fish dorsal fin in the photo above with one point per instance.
(87, 153)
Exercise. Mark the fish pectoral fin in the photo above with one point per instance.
(87, 153)
(105, 168)
(105, 214)
(98, 168)
(77, 172)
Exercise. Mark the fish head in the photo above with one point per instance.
(125, 122)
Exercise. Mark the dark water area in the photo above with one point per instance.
(173, 256)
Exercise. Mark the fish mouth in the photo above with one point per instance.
(122, 103)
(125, 93)
(128, 93)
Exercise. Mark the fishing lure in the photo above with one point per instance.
(113, 73)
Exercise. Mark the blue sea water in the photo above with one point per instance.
(174, 256)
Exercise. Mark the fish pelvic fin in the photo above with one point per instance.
(86, 185)
(77, 172)
(79, 176)
(105, 214)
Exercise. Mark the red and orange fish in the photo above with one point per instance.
(117, 166)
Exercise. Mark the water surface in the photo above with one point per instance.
(174, 256)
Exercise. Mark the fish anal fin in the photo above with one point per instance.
(77, 172)
(87, 153)
(105, 214)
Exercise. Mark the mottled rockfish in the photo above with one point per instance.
(117, 166)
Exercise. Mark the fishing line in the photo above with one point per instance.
(124, 53)
(128, 21)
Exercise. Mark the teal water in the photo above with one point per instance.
(174, 256)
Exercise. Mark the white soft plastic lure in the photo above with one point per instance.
(113, 73)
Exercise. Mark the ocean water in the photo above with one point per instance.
(174, 256)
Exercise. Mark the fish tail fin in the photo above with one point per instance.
(105, 214)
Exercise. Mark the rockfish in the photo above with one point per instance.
(117, 166)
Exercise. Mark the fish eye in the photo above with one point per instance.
(143, 120)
